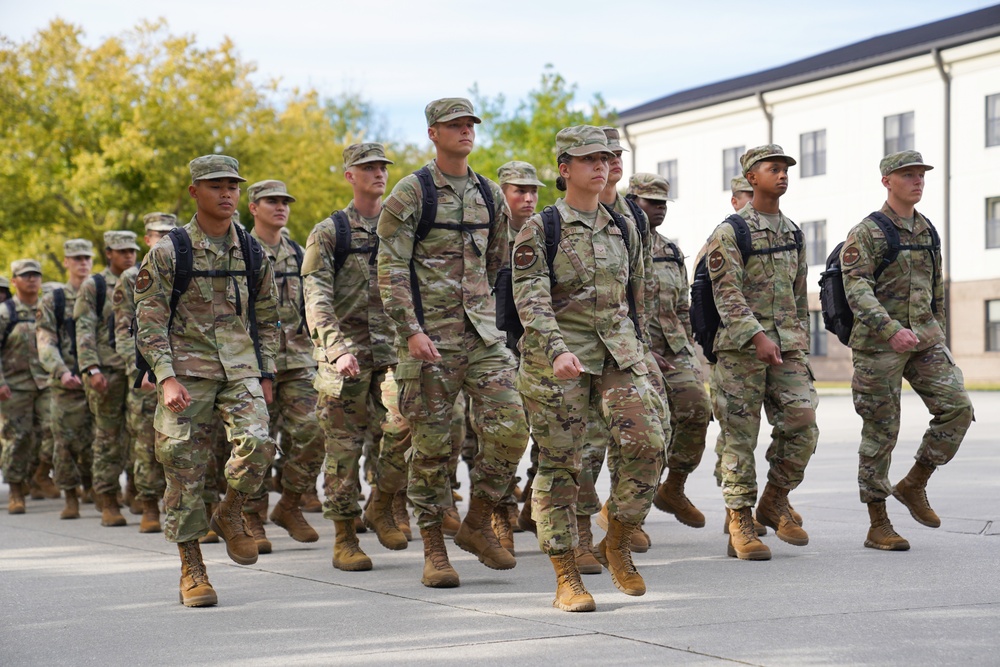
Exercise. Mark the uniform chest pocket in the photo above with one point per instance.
(574, 262)
(760, 267)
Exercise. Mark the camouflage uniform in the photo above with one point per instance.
(22, 373)
(71, 420)
(769, 295)
(584, 312)
(208, 348)
(908, 295)
(95, 344)
(454, 272)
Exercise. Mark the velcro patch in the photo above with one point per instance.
(524, 257)
(850, 256)
(118, 297)
(143, 281)
(716, 261)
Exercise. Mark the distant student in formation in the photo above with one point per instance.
(762, 348)
(899, 325)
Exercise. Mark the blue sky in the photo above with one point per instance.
(401, 54)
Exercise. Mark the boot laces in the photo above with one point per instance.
(195, 566)
(501, 523)
(746, 525)
(625, 548)
(570, 574)
(436, 552)
(398, 511)
(486, 528)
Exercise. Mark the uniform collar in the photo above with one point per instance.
(919, 223)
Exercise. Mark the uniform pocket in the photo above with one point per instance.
(537, 381)
(412, 404)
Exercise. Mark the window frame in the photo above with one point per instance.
(898, 139)
(730, 171)
(669, 169)
(812, 162)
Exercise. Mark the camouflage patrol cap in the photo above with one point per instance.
(517, 172)
(159, 222)
(365, 153)
(19, 267)
(614, 139)
(120, 239)
(740, 184)
(272, 188)
(894, 161)
(649, 186)
(582, 140)
(449, 108)
(78, 248)
(769, 152)
(208, 167)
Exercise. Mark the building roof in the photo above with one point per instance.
(944, 34)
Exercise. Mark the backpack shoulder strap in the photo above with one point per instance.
(11, 320)
(742, 231)
(891, 240)
(428, 206)
(552, 226)
(253, 259)
(639, 215)
(59, 307)
(487, 193)
(620, 223)
(100, 292)
(183, 265)
(342, 227)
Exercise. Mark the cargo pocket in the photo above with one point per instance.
(872, 402)
(538, 382)
(411, 399)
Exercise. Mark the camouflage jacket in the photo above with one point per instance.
(455, 270)
(20, 368)
(768, 294)
(585, 311)
(670, 302)
(344, 308)
(209, 337)
(55, 348)
(647, 261)
(123, 305)
(295, 349)
(93, 342)
(902, 296)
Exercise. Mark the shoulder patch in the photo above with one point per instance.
(716, 261)
(143, 281)
(118, 297)
(850, 256)
(524, 257)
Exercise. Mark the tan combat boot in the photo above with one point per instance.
(912, 492)
(881, 534)
(44, 481)
(378, 517)
(401, 515)
(438, 572)
(477, 537)
(196, 591)
(615, 553)
(288, 515)
(72, 509)
(211, 537)
(254, 513)
(640, 540)
(524, 519)
(310, 502)
(743, 541)
(150, 521)
(571, 594)
(512, 513)
(772, 511)
(110, 511)
(227, 522)
(586, 562)
(15, 502)
(670, 498)
(502, 529)
(758, 527)
(451, 522)
(132, 500)
(347, 553)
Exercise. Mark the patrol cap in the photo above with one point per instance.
(517, 172)
(120, 239)
(449, 108)
(262, 189)
(894, 161)
(614, 139)
(582, 140)
(208, 167)
(78, 248)
(649, 186)
(740, 184)
(365, 153)
(19, 267)
(770, 152)
(159, 222)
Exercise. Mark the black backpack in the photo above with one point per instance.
(508, 320)
(64, 324)
(253, 259)
(12, 321)
(705, 320)
(299, 253)
(428, 213)
(837, 315)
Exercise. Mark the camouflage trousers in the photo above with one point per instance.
(690, 412)
(427, 394)
(628, 409)
(215, 473)
(21, 417)
(465, 444)
(44, 444)
(140, 409)
(108, 408)
(73, 437)
(745, 384)
(185, 442)
(345, 417)
(876, 387)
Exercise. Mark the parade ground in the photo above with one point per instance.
(76, 593)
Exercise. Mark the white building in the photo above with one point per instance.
(934, 88)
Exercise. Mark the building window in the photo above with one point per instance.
(731, 165)
(993, 222)
(993, 120)
(817, 333)
(898, 133)
(993, 326)
(812, 152)
(815, 237)
(668, 170)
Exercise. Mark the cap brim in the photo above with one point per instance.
(461, 114)
(619, 147)
(913, 164)
(523, 181)
(221, 174)
(127, 246)
(24, 273)
(157, 227)
(579, 151)
(369, 160)
(78, 254)
(273, 193)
